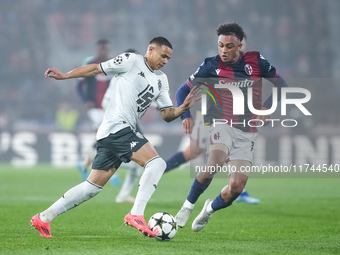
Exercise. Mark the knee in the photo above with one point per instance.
(216, 159)
(157, 163)
(235, 188)
(204, 179)
(162, 164)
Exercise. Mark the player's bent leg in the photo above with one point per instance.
(101, 177)
(200, 184)
(72, 198)
(217, 156)
(197, 188)
(228, 194)
(154, 167)
(236, 182)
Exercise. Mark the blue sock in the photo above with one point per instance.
(219, 203)
(196, 190)
(175, 161)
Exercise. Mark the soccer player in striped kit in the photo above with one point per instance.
(234, 140)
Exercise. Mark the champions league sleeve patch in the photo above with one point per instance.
(118, 60)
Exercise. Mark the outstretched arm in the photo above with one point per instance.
(172, 113)
(83, 71)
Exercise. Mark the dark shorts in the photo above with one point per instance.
(117, 148)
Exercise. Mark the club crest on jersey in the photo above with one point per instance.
(217, 136)
(139, 135)
(248, 69)
(141, 74)
(159, 84)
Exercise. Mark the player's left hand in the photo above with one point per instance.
(192, 98)
(264, 118)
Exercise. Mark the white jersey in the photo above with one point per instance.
(133, 88)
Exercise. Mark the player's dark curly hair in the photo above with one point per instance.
(231, 28)
(103, 41)
(160, 40)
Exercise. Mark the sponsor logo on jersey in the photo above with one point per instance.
(133, 144)
(240, 84)
(218, 71)
(248, 69)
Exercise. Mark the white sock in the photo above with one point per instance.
(72, 198)
(209, 208)
(189, 205)
(153, 172)
(131, 177)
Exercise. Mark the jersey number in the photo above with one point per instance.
(145, 98)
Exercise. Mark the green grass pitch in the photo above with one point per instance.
(295, 216)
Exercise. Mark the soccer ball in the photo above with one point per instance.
(163, 225)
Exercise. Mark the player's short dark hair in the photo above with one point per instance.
(160, 40)
(231, 28)
(103, 41)
(131, 50)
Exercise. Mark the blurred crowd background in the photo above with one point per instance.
(299, 37)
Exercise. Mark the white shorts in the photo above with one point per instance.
(240, 144)
(96, 116)
(200, 133)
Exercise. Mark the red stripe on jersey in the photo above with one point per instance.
(226, 73)
(252, 59)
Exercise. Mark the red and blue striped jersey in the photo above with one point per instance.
(248, 71)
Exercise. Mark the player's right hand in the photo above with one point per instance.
(54, 73)
(188, 125)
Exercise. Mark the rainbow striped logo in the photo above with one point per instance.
(210, 94)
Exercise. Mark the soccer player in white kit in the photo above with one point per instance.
(138, 82)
